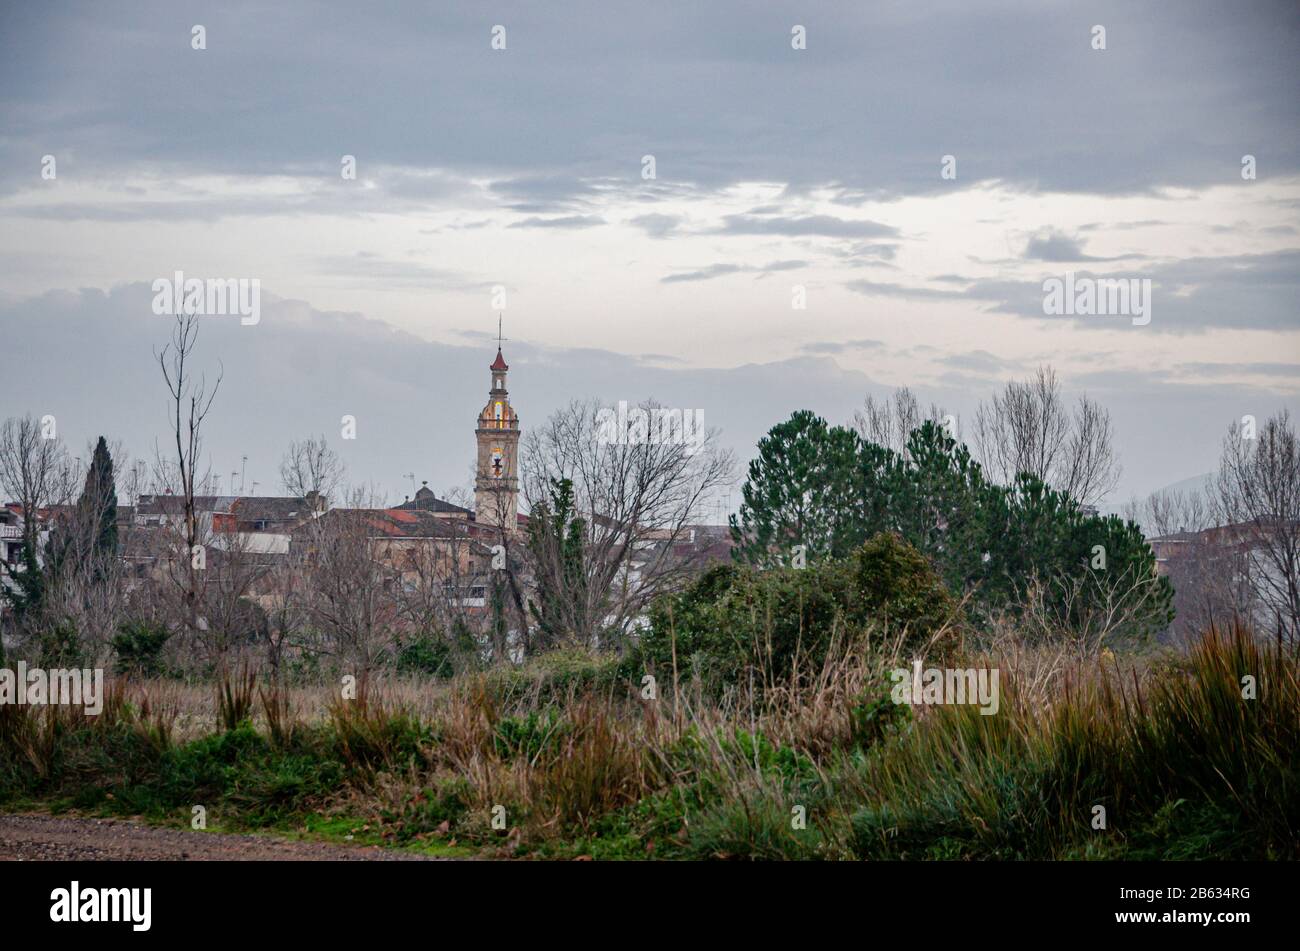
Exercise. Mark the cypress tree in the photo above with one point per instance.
(98, 503)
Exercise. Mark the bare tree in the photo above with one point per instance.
(348, 592)
(88, 592)
(1170, 511)
(508, 576)
(189, 404)
(445, 582)
(311, 469)
(1209, 573)
(233, 617)
(35, 470)
(1089, 469)
(634, 500)
(1090, 610)
(286, 586)
(1257, 492)
(889, 421)
(1028, 428)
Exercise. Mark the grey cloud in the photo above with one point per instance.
(373, 268)
(1058, 248)
(1121, 225)
(1241, 369)
(979, 361)
(867, 254)
(704, 274)
(1054, 246)
(656, 225)
(888, 289)
(569, 222)
(1249, 291)
(322, 193)
(721, 270)
(713, 91)
(832, 347)
(823, 226)
(544, 194)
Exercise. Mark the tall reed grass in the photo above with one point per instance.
(1184, 759)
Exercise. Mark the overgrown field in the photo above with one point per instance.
(571, 759)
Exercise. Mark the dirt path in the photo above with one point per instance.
(55, 838)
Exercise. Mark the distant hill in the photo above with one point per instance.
(1200, 483)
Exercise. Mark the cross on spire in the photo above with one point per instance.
(499, 364)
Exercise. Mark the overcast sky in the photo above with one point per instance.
(774, 168)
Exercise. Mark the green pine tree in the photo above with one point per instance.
(826, 488)
(811, 485)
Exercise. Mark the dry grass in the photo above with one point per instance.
(1134, 732)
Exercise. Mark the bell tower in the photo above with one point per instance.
(496, 481)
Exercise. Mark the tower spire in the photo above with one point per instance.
(496, 485)
(500, 362)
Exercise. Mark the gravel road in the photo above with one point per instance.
(56, 838)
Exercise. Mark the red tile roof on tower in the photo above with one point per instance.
(499, 363)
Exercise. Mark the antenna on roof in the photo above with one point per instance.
(242, 467)
(411, 476)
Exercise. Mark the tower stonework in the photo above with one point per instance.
(496, 481)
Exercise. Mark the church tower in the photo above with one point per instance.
(496, 482)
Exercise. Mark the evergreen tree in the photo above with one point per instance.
(828, 489)
(556, 538)
(86, 541)
(27, 592)
(97, 507)
(806, 487)
(946, 508)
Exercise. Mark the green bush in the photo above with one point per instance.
(737, 618)
(875, 716)
(60, 645)
(138, 645)
(757, 827)
(555, 676)
(528, 737)
(426, 654)
(433, 810)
